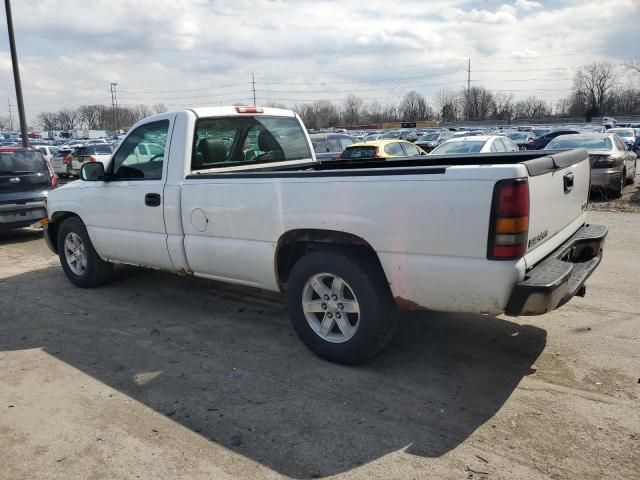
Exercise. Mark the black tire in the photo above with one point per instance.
(378, 316)
(97, 272)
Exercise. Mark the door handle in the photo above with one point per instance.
(152, 199)
(568, 182)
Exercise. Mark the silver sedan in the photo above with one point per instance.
(613, 165)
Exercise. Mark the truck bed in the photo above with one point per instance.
(537, 163)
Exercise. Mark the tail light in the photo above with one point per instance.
(249, 110)
(509, 225)
(604, 161)
(54, 181)
(67, 160)
(93, 159)
(376, 153)
(339, 157)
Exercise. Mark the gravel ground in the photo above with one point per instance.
(158, 376)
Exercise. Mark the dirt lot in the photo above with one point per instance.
(157, 376)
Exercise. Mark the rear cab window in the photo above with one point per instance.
(236, 141)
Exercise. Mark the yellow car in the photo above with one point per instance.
(381, 149)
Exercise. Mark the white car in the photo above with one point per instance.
(47, 151)
(476, 144)
(345, 242)
(100, 152)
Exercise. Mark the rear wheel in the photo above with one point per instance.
(79, 260)
(340, 305)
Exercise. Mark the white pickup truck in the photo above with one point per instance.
(236, 195)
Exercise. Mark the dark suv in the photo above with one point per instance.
(25, 180)
(541, 142)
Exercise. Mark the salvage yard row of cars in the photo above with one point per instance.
(27, 175)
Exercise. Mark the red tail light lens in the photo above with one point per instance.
(339, 157)
(54, 181)
(67, 159)
(249, 110)
(509, 225)
(93, 159)
(376, 153)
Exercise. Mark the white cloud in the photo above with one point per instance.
(527, 5)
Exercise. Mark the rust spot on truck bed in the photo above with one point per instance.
(405, 304)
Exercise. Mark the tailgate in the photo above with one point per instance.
(558, 197)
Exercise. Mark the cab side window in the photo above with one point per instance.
(394, 149)
(133, 161)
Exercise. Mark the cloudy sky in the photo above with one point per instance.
(203, 52)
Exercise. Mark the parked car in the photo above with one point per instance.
(91, 153)
(381, 149)
(521, 139)
(476, 144)
(429, 141)
(540, 142)
(328, 146)
(25, 181)
(628, 136)
(61, 162)
(613, 165)
(348, 244)
(47, 152)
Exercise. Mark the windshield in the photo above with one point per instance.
(429, 137)
(21, 162)
(459, 147)
(582, 142)
(626, 133)
(518, 137)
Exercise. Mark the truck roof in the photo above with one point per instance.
(233, 110)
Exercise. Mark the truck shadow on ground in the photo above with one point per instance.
(21, 235)
(223, 361)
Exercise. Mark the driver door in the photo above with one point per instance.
(125, 218)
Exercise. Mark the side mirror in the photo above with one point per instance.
(92, 171)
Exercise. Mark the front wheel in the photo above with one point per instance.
(340, 305)
(79, 260)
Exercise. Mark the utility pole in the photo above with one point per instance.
(253, 84)
(114, 105)
(10, 115)
(16, 75)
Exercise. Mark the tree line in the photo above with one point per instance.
(598, 90)
(96, 117)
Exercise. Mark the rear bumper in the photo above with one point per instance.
(608, 178)
(23, 214)
(561, 276)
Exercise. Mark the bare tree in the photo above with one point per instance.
(448, 104)
(48, 121)
(633, 64)
(352, 109)
(477, 102)
(159, 108)
(592, 83)
(502, 106)
(68, 119)
(90, 116)
(4, 123)
(413, 107)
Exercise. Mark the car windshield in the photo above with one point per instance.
(518, 136)
(590, 143)
(21, 162)
(464, 146)
(429, 137)
(626, 133)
